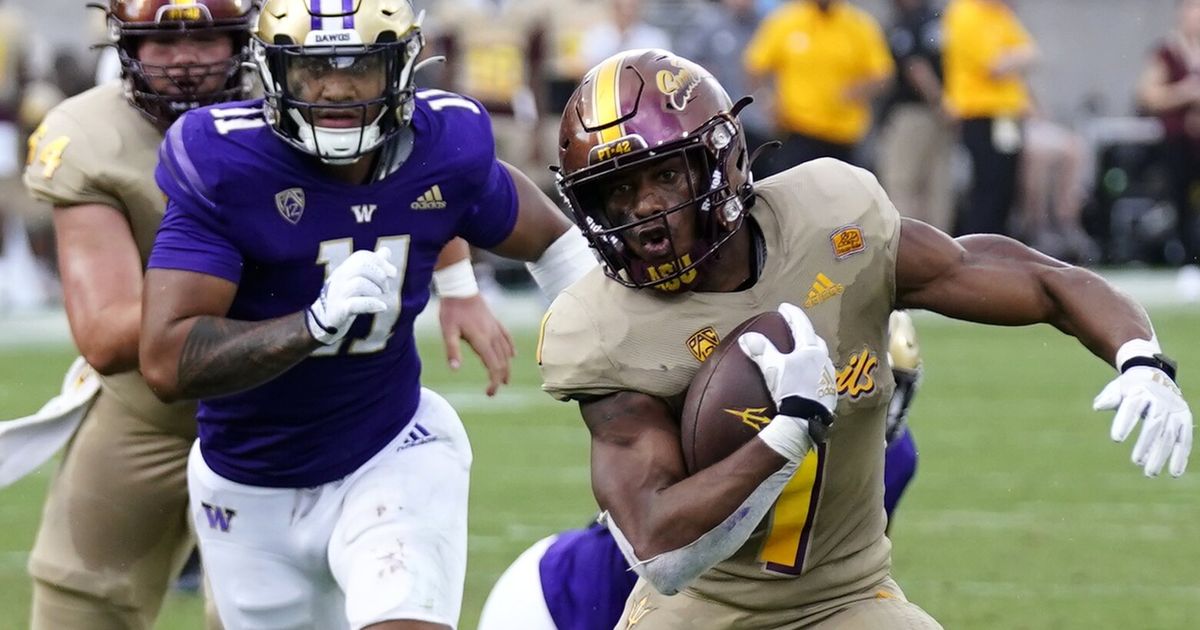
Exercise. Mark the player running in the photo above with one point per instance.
(328, 488)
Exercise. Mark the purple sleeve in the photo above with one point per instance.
(492, 218)
(193, 235)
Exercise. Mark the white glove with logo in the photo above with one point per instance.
(356, 287)
(801, 382)
(1148, 394)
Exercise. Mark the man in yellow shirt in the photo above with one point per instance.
(987, 53)
(828, 60)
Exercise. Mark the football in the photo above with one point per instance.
(728, 402)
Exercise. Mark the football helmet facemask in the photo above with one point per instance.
(300, 46)
(132, 21)
(632, 111)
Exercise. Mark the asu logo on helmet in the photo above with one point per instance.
(632, 110)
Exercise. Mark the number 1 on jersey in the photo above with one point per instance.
(333, 253)
(792, 518)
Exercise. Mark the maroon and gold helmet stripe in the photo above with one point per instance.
(606, 99)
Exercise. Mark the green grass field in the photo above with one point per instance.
(1023, 513)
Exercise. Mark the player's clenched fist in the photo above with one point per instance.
(355, 287)
(801, 383)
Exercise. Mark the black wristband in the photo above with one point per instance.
(1158, 361)
(818, 417)
(317, 320)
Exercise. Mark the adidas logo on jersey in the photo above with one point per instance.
(431, 200)
(822, 289)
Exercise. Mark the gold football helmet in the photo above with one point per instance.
(132, 21)
(301, 46)
(904, 355)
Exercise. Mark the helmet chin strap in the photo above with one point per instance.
(337, 145)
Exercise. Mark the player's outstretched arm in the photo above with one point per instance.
(996, 280)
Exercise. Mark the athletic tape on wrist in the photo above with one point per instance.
(787, 436)
(566, 260)
(456, 280)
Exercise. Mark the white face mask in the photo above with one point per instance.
(338, 145)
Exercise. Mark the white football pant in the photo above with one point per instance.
(387, 542)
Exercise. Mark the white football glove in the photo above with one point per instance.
(1148, 394)
(801, 382)
(356, 287)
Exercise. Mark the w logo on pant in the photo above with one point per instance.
(218, 517)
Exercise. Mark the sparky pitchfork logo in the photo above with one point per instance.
(290, 204)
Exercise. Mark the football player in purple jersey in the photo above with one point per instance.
(328, 488)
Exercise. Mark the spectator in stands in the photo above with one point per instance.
(1170, 88)
(987, 53)
(722, 30)
(828, 60)
(625, 29)
(25, 283)
(918, 134)
(493, 54)
(1053, 183)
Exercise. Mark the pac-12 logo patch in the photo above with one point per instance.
(847, 241)
(703, 342)
(290, 204)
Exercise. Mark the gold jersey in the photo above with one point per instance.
(95, 148)
(831, 236)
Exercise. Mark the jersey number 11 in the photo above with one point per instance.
(333, 253)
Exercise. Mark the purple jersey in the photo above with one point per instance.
(585, 579)
(246, 207)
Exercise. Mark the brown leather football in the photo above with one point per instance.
(728, 402)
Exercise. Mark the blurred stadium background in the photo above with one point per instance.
(1023, 514)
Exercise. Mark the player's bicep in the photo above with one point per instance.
(635, 451)
(983, 278)
(97, 258)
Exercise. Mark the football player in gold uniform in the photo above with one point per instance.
(788, 531)
(114, 530)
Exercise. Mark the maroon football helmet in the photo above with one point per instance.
(631, 111)
(132, 20)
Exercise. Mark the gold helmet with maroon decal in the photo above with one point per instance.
(636, 109)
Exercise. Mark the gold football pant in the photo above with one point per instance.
(114, 530)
